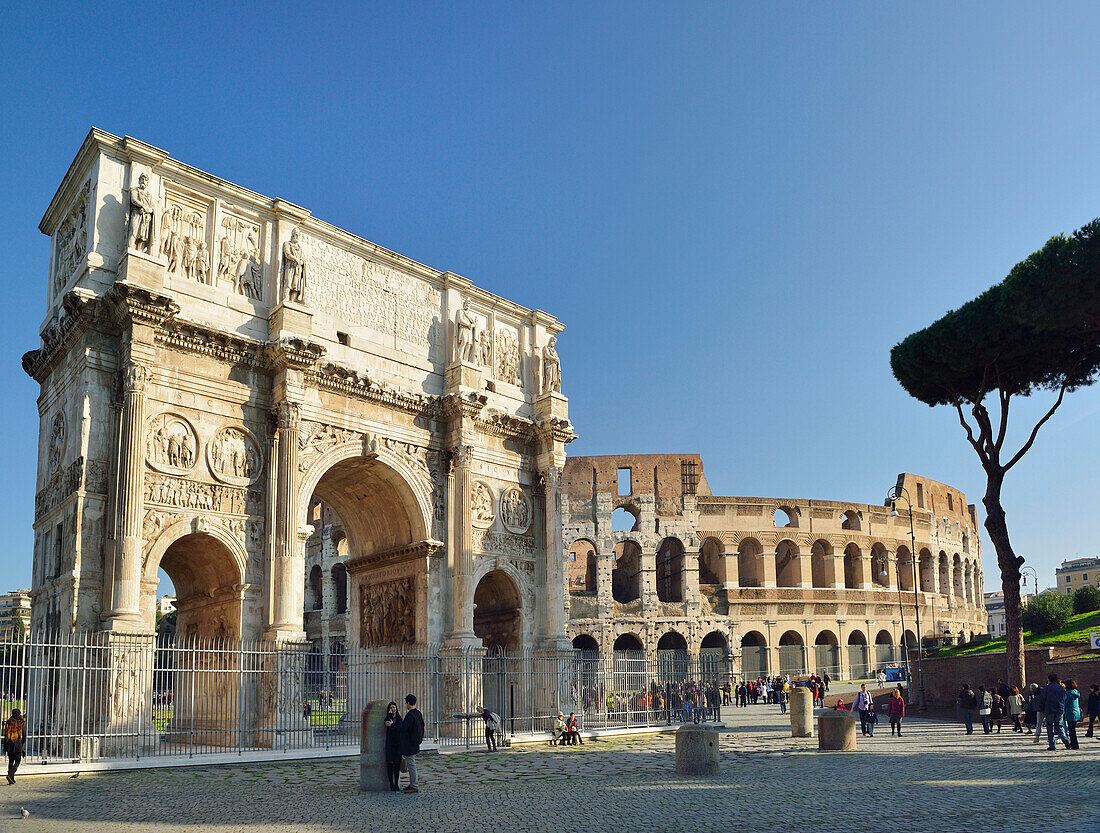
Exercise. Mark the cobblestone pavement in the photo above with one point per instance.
(933, 779)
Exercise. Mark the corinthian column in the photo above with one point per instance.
(555, 578)
(462, 547)
(125, 614)
(289, 554)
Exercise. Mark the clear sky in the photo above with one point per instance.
(737, 209)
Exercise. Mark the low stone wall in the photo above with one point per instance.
(943, 676)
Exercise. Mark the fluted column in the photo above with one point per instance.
(125, 614)
(460, 541)
(289, 551)
(555, 578)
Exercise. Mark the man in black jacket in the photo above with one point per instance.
(413, 724)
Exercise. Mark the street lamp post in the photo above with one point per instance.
(892, 497)
(1034, 578)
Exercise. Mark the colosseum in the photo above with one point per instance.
(758, 585)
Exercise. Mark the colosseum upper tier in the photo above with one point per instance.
(768, 584)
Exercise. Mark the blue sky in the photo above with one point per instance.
(737, 209)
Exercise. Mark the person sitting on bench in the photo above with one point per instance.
(559, 730)
(572, 732)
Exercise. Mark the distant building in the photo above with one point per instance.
(1076, 573)
(166, 604)
(995, 612)
(14, 607)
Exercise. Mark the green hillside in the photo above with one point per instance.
(1076, 632)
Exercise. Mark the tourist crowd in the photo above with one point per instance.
(1057, 706)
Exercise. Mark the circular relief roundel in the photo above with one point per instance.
(171, 444)
(515, 511)
(234, 456)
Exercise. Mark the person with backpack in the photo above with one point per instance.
(492, 726)
(985, 708)
(1000, 709)
(15, 737)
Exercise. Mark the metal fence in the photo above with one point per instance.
(91, 697)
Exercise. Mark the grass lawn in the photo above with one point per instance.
(1076, 632)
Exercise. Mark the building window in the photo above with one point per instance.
(689, 476)
(624, 482)
(57, 549)
(950, 503)
(920, 495)
(1084, 576)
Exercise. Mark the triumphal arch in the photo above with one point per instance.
(213, 360)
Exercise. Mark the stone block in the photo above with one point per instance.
(290, 320)
(141, 270)
(697, 750)
(551, 404)
(836, 731)
(462, 375)
(802, 713)
(372, 748)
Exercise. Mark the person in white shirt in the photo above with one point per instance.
(863, 704)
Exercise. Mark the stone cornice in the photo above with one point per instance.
(503, 425)
(129, 304)
(189, 337)
(293, 354)
(80, 309)
(339, 379)
(556, 429)
(398, 555)
(468, 406)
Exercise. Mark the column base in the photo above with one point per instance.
(463, 639)
(128, 623)
(290, 320)
(556, 643)
(288, 633)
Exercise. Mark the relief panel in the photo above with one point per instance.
(184, 236)
(240, 242)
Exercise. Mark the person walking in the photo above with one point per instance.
(1054, 707)
(967, 703)
(985, 708)
(413, 736)
(1015, 709)
(895, 710)
(492, 726)
(864, 705)
(394, 734)
(825, 678)
(15, 737)
(1072, 712)
(1035, 705)
(1093, 707)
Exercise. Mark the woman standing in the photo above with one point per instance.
(15, 735)
(1015, 709)
(895, 709)
(394, 727)
(1072, 712)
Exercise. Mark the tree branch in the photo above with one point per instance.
(1034, 431)
(969, 431)
(1003, 428)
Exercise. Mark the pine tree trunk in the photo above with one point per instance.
(1010, 577)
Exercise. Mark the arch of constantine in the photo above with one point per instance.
(768, 584)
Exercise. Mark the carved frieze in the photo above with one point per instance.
(316, 438)
(63, 482)
(515, 511)
(388, 613)
(239, 246)
(481, 504)
(183, 236)
(56, 447)
(171, 444)
(71, 242)
(234, 456)
(503, 542)
(208, 497)
(507, 356)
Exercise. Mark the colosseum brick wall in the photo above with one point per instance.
(770, 584)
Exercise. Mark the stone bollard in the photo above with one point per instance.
(836, 731)
(372, 748)
(697, 750)
(802, 713)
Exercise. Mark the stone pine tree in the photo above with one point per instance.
(1037, 330)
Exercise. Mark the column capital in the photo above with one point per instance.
(551, 476)
(462, 455)
(134, 376)
(289, 414)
